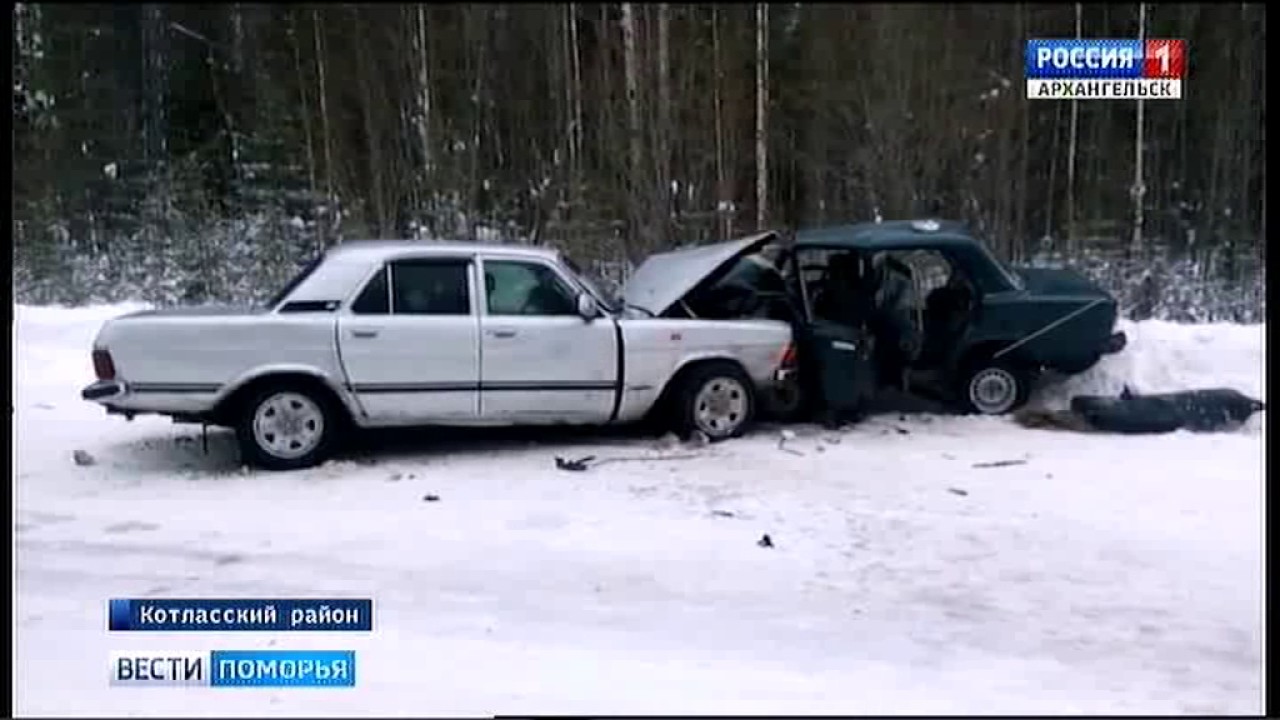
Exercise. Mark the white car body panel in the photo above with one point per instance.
(397, 369)
(658, 347)
(398, 379)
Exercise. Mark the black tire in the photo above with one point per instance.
(311, 438)
(991, 387)
(704, 387)
(787, 403)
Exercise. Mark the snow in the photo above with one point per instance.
(1102, 575)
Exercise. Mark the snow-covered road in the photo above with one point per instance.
(1101, 575)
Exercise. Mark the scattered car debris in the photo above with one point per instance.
(783, 438)
(670, 441)
(958, 491)
(579, 465)
(901, 430)
(430, 498)
(765, 541)
(999, 463)
(1042, 419)
(722, 513)
(83, 458)
(583, 464)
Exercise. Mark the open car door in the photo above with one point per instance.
(838, 362)
(837, 350)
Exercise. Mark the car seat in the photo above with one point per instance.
(844, 297)
(946, 314)
(543, 299)
(894, 318)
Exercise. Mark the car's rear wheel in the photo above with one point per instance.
(993, 388)
(716, 399)
(287, 428)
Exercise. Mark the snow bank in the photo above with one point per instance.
(1163, 356)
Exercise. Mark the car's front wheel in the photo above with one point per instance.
(993, 388)
(716, 399)
(287, 428)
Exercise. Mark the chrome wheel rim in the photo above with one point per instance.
(993, 391)
(720, 407)
(288, 425)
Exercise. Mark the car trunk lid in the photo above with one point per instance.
(195, 311)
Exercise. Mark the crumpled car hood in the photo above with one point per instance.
(664, 279)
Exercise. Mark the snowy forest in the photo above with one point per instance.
(192, 153)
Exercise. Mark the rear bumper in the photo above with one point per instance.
(1115, 343)
(103, 390)
(782, 376)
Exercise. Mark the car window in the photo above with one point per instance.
(524, 288)
(374, 299)
(430, 287)
(297, 280)
(929, 269)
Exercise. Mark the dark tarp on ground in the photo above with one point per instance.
(1197, 410)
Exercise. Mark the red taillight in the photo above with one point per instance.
(103, 365)
(788, 356)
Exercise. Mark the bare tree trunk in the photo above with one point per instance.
(1019, 238)
(762, 104)
(424, 92)
(1139, 188)
(636, 195)
(724, 220)
(373, 146)
(306, 125)
(575, 133)
(478, 92)
(662, 216)
(324, 118)
(1072, 240)
(1053, 172)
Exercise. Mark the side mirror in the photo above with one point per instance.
(588, 308)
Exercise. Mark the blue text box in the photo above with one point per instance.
(1084, 58)
(237, 615)
(282, 668)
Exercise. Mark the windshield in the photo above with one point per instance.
(293, 284)
(593, 286)
(1013, 278)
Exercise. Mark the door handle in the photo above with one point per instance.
(504, 333)
(364, 333)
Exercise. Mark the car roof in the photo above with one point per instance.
(373, 250)
(888, 235)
